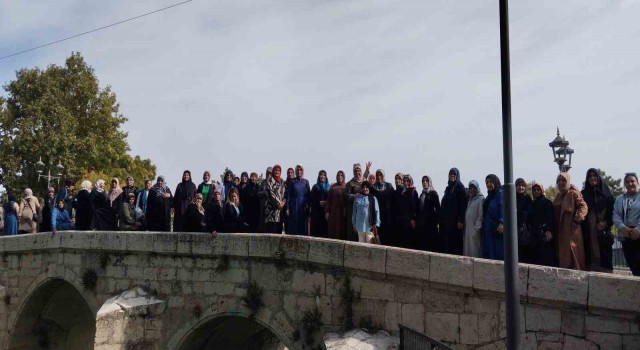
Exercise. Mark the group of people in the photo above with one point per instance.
(574, 231)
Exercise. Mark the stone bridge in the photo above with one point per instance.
(126, 290)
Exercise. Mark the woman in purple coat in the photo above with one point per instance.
(297, 201)
(185, 194)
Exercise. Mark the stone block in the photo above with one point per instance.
(548, 345)
(140, 242)
(413, 316)
(436, 300)
(452, 270)
(469, 329)
(498, 345)
(529, 341)
(488, 276)
(282, 324)
(503, 319)
(573, 323)
(442, 326)
(557, 286)
(42, 241)
(165, 242)
(476, 305)
(371, 289)
(269, 277)
(365, 257)
(606, 340)
(202, 244)
(306, 282)
(326, 252)
(407, 293)
(615, 292)
(630, 342)
(232, 244)
(294, 247)
(408, 263)
(607, 325)
(185, 241)
(573, 343)
(392, 317)
(232, 276)
(542, 320)
(550, 337)
(489, 328)
(264, 246)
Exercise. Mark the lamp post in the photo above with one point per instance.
(40, 168)
(560, 148)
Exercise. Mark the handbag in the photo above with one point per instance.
(524, 235)
(375, 239)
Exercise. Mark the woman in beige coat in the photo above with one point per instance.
(28, 206)
(570, 210)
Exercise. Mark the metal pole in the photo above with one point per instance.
(510, 241)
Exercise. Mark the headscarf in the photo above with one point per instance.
(568, 178)
(28, 193)
(99, 185)
(324, 186)
(85, 185)
(343, 178)
(243, 174)
(114, 193)
(295, 172)
(430, 188)
(224, 180)
(411, 186)
(541, 189)
(380, 186)
(477, 186)
(521, 181)
(372, 179)
(210, 178)
(457, 172)
(273, 171)
(381, 173)
(185, 184)
(269, 172)
(596, 196)
(497, 185)
(358, 179)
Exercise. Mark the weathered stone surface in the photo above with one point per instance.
(408, 263)
(502, 317)
(392, 316)
(451, 270)
(407, 293)
(547, 345)
(413, 316)
(573, 323)
(477, 305)
(307, 282)
(606, 325)
(369, 289)
(442, 326)
(326, 251)
(606, 340)
(469, 329)
(551, 337)
(232, 244)
(630, 342)
(489, 328)
(488, 275)
(360, 340)
(529, 341)
(542, 319)
(499, 345)
(366, 257)
(436, 300)
(165, 242)
(625, 288)
(557, 285)
(573, 343)
(140, 242)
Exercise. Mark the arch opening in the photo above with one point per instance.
(233, 333)
(55, 316)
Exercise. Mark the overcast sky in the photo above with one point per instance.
(413, 86)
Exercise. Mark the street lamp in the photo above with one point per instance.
(560, 148)
(40, 168)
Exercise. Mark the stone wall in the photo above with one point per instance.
(194, 280)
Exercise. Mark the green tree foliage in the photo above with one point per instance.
(615, 185)
(551, 193)
(61, 113)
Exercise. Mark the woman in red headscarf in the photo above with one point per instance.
(570, 210)
(275, 201)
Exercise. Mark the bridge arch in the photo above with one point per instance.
(53, 314)
(231, 330)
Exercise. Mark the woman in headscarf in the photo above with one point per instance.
(570, 210)
(11, 210)
(227, 184)
(524, 211)
(276, 202)
(60, 220)
(335, 208)
(543, 226)
(103, 218)
(29, 213)
(128, 220)
(194, 215)
(207, 187)
(427, 217)
(626, 216)
(47, 208)
(84, 207)
(473, 222)
(262, 195)
(244, 180)
(298, 204)
(185, 193)
(115, 199)
(213, 214)
(291, 175)
(383, 191)
(597, 236)
(452, 212)
(353, 188)
(251, 203)
(409, 205)
(395, 211)
(159, 207)
(318, 200)
(493, 220)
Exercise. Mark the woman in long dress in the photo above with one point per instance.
(570, 210)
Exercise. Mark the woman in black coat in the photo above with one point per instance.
(194, 215)
(234, 214)
(213, 215)
(543, 226)
(317, 201)
(84, 207)
(452, 214)
(104, 218)
(596, 228)
(159, 207)
(427, 217)
(251, 202)
(384, 193)
(408, 210)
(524, 212)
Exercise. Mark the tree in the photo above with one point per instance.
(61, 113)
(614, 184)
(551, 193)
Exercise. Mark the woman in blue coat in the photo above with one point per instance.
(492, 223)
(297, 201)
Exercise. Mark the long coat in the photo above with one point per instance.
(251, 204)
(159, 209)
(492, 241)
(104, 219)
(569, 207)
(318, 221)
(409, 206)
(452, 211)
(275, 194)
(28, 206)
(185, 193)
(335, 207)
(473, 227)
(384, 195)
(297, 202)
(84, 211)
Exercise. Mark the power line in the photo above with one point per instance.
(95, 30)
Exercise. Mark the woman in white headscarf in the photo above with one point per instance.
(29, 213)
(473, 222)
(84, 209)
